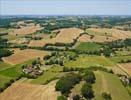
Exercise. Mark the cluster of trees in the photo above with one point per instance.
(106, 96)
(4, 52)
(2, 34)
(60, 24)
(6, 85)
(95, 68)
(89, 76)
(88, 52)
(67, 69)
(3, 43)
(58, 58)
(125, 61)
(22, 47)
(65, 84)
(86, 89)
(54, 61)
(120, 43)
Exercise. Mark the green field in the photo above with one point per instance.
(13, 72)
(52, 73)
(87, 61)
(88, 46)
(4, 65)
(3, 80)
(117, 59)
(106, 82)
(8, 72)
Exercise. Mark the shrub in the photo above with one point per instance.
(61, 98)
(1, 89)
(76, 97)
(106, 96)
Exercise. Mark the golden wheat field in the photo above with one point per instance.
(115, 33)
(66, 35)
(26, 91)
(31, 28)
(21, 56)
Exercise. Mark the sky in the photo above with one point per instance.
(65, 7)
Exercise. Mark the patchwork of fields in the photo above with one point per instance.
(89, 50)
(66, 35)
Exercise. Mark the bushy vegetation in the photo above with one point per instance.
(59, 58)
(89, 76)
(61, 98)
(5, 52)
(66, 83)
(87, 91)
(106, 96)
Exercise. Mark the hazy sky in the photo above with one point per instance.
(65, 7)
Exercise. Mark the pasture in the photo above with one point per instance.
(88, 46)
(118, 59)
(4, 65)
(87, 61)
(106, 82)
